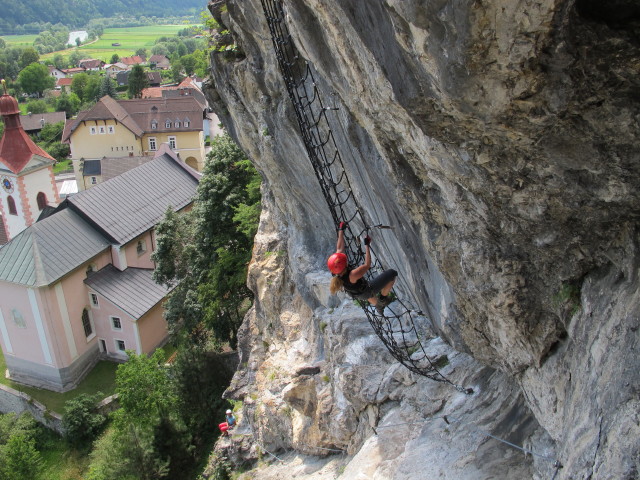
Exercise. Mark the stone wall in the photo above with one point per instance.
(17, 402)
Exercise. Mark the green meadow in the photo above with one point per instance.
(19, 40)
(129, 38)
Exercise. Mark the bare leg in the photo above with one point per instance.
(387, 288)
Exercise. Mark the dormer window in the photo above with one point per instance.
(167, 123)
(154, 124)
(154, 109)
(186, 123)
(177, 123)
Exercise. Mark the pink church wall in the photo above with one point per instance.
(76, 295)
(25, 342)
(104, 329)
(140, 260)
(153, 328)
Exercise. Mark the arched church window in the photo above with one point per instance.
(12, 205)
(41, 199)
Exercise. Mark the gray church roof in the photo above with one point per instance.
(113, 212)
(133, 289)
(132, 203)
(49, 249)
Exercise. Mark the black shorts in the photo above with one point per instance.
(377, 284)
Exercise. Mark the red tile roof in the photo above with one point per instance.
(16, 147)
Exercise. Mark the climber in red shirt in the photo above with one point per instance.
(352, 280)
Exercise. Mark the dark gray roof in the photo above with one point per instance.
(133, 290)
(114, 166)
(91, 167)
(132, 203)
(36, 121)
(49, 249)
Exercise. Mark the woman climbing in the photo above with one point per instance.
(352, 280)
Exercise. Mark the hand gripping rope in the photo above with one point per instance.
(400, 331)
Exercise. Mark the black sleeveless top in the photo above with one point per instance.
(353, 288)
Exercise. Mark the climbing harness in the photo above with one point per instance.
(401, 331)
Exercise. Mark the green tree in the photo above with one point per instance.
(19, 459)
(75, 57)
(36, 79)
(78, 84)
(29, 55)
(115, 58)
(70, 104)
(138, 81)
(188, 63)
(107, 87)
(206, 253)
(142, 52)
(176, 71)
(37, 106)
(59, 61)
(82, 420)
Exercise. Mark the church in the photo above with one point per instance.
(76, 277)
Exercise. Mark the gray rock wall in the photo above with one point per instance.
(501, 140)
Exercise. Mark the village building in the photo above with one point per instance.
(77, 285)
(133, 60)
(34, 122)
(160, 62)
(114, 68)
(56, 72)
(124, 128)
(91, 64)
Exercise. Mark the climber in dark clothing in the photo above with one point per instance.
(352, 280)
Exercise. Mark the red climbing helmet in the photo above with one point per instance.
(337, 262)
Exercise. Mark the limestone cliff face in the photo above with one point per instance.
(501, 140)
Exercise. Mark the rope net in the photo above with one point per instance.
(401, 328)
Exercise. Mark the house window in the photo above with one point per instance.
(152, 144)
(120, 345)
(92, 130)
(86, 323)
(116, 323)
(12, 205)
(94, 300)
(186, 123)
(154, 125)
(94, 180)
(167, 123)
(172, 143)
(141, 247)
(18, 319)
(111, 129)
(177, 123)
(102, 130)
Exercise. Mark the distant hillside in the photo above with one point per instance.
(76, 13)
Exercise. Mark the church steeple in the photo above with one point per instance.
(27, 183)
(16, 147)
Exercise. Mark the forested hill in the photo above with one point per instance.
(76, 13)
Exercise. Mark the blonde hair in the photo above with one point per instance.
(336, 285)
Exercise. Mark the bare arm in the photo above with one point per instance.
(357, 273)
(340, 244)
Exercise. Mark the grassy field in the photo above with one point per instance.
(130, 40)
(19, 40)
(101, 379)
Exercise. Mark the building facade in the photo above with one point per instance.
(77, 285)
(122, 128)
